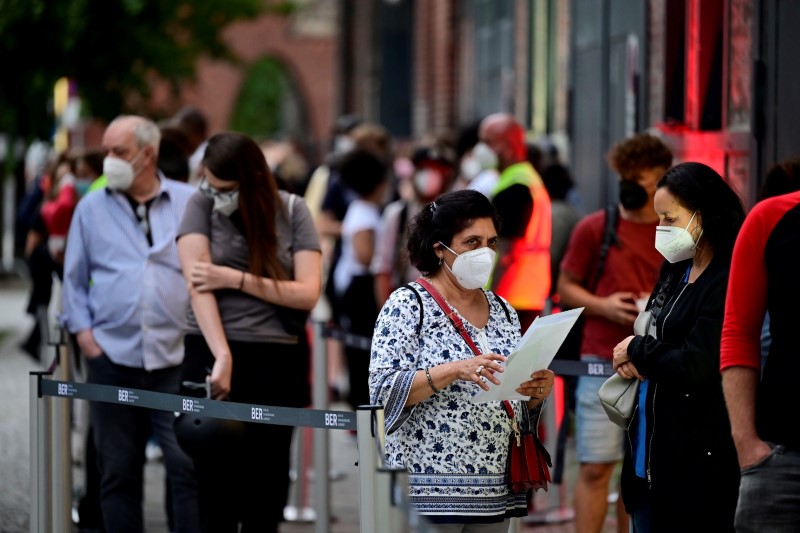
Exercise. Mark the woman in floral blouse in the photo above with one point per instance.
(424, 373)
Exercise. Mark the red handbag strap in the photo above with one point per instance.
(450, 313)
(459, 325)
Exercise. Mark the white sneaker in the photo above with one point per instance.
(153, 451)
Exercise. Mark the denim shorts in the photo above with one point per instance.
(597, 439)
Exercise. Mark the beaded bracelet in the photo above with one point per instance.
(430, 381)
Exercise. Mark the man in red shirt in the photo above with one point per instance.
(631, 270)
(763, 278)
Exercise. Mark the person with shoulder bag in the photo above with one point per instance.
(438, 342)
(249, 253)
(611, 299)
(680, 454)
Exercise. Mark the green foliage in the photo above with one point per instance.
(111, 48)
(258, 107)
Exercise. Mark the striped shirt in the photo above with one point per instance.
(131, 294)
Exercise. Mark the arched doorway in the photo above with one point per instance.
(269, 104)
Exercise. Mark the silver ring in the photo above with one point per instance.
(479, 370)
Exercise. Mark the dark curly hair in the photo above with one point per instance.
(451, 213)
(637, 153)
(698, 187)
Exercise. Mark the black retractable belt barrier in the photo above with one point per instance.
(287, 416)
(580, 368)
(323, 419)
(563, 368)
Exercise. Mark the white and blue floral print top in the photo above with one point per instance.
(454, 450)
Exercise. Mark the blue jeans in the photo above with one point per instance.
(120, 435)
(769, 494)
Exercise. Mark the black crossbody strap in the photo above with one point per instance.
(419, 301)
(609, 239)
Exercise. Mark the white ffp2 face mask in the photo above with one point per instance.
(470, 168)
(472, 269)
(119, 173)
(485, 156)
(676, 244)
(225, 202)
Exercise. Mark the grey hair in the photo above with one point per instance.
(145, 131)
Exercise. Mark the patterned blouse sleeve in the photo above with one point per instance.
(395, 355)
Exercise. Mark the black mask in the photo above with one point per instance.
(632, 196)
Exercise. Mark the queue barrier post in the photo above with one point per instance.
(298, 509)
(50, 425)
(383, 491)
(62, 445)
(368, 462)
(321, 437)
(40, 516)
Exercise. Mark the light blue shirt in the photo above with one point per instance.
(132, 295)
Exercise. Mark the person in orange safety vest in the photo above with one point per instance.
(522, 274)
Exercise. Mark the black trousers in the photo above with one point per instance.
(360, 311)
(248, 482)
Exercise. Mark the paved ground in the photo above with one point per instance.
(14, 432)
(15, 367)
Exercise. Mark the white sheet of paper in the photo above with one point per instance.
(535, 351)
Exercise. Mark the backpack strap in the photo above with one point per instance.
(609, 239)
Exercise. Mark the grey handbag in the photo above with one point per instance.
(619, 397)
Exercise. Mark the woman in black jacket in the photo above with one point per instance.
(680, 471)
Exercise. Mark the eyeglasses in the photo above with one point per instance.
(210, 191)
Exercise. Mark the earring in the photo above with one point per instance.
(440, 261)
